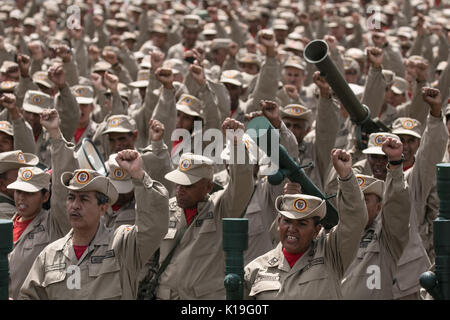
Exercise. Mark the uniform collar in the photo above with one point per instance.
(33, 224)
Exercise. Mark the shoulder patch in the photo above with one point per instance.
(273, 261)
(53, 267)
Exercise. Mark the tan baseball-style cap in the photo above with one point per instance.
(16, 159)
(296, 111)
(351, 64)
(90, 180)
(355, 53)
(248, 57)
(120, 123)
(370, 184)
(441, 66)
(376, 141)
(143, 77)
(295, 62)
(6, 127)
(399, 85)
(9, 66)
(119, 177)
(191, 21)
(191, 169)
(41, 77)
(280, 24)
(8, 86)
(408, 126)
(447, 110)
(37, 101)
(31, 179)
(158, 27)
(233, 77)
(389, 76)
(83, 94)
(190, 105)
(300, 206)
(220, 43)
(176, 65)
(123, 90)
(101, 66)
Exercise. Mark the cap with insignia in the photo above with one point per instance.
(101, 66)
(9, 66)
(8, 86)
(296, 111)
(295, 62)
(41, 77)
(399, 85)
(83, 94)
(407, 126)
(90, 180)
(191, 169)
(300, 206)
(249, 58)
(191, 21)
(220, 43)
(31, 179)
(119, 177)
(376, 141)
(190, 105)
(143, 78)
(37, 101)
(232, 76)
(370, 184)
(16, 159)
(120, 124)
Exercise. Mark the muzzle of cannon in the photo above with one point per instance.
(6, 236)
(234, 243)
(257, 128)
(316, 52)
(438, 283)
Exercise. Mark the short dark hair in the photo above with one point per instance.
(101, 198)
(316, 220)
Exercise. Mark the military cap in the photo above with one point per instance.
(120, 123)
(407, 126)
(294, 45)
(122, 25)
(128, 36)
(41, 77)
(288, 16)
(159, 26)
(119, 177)
(16, 159)
(300, 206)
(143, 78)
(191, 169)
(31, 179)
(29, 22)
(249, 58)
(9, 66)
(175, 64)
(447, 110)
(252, 16)
(123, 90)
(405, 32)
(6, 127)
(8, 86)
(376, 141)
(357, 90)
(355, 53)
(190, 105)
(399, 85)
(83, 94)
(247, 78)
(15, 14)
(89, 180)
(370, 185)
(295, 62)
(146, 62)
(37, 101)
(179, 8)
(280, 24)
(112, 23)
(233, 77)
(134, 8)
(296, 111)
(351, 64)
(101, 66)
(191, 21)
(220, 43)
(389, 76)
(209, 30)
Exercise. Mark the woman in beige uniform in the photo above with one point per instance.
(309, 263)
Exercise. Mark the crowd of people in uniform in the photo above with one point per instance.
(123, 76)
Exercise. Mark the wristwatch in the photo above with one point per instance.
(397, 162)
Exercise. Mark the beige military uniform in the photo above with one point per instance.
(46, 227)
(317, 273)
(421, 178)
(109, 266)
(197, 268)
(370, 276)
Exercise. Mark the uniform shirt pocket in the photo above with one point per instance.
(105, 279)
(266, 288)
(206, 238)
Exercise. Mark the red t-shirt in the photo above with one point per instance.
(115, 207)
(79, 250)
(19, 227)
(175, 143)
(190, 214)
(78, 133)
(292, 257)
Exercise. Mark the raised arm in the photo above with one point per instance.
(375, 86)
(343, 240)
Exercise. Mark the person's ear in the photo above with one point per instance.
(317, 229)
(135, 135)
(46, 197)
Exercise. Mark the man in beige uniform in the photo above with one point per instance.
(197, 267)
(370, 276)
(10, 163)
(108, 262)
(322, 258)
